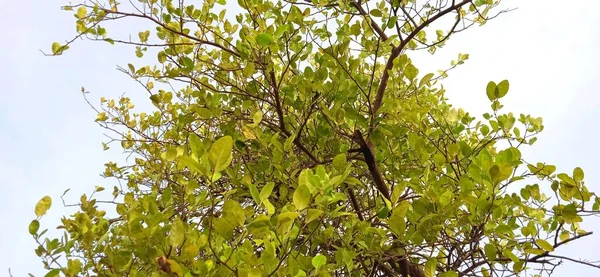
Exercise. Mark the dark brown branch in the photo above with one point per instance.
(367, 152)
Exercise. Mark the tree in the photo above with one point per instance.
(297, 138)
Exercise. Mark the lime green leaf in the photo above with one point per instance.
(220, 153)
(546, 246)
(43, 205)
(319, 261)
(264, 39)
(34, 226)
(301, 197)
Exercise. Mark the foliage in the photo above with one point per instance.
(299, 139)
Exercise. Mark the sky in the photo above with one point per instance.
(50, 143)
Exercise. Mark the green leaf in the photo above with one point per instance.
(503, 88)
(578, 174)
(450, 273)
(313, 214)
(171, 154)
(255, 272)
(411, 71)
(376, 13)
(490, 251)
(264, 39)
(53, 273)
(446, 198)
(220, 153)
(265, 192)
(234, 210)
(196, 145)
(144, 36)
(301, 197)
(34, 226)
(55, 47)
(503, 229)
(254, 193)
(319, 261)
(491, 91)
(192, 164)
(546, 246)
(339, 162)
(249, 69)
(162, 57)
(43, 205)
(397, 223)
(430, 267)
(270, 208)
(392, 22)
(257, 117)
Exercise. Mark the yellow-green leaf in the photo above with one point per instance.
(339, 162)
(257, 117)
(430, 267)
(265, 192)
(220, 153)
(301, 197)
(81, 12)
(43, 205)
(55, 47)
(578, 174)
(177, 233)
(313, 214)
(546, 246)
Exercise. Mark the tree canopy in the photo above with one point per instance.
(298, 138)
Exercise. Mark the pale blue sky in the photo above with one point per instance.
(547, 49)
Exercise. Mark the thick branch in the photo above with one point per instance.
(367, 152)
